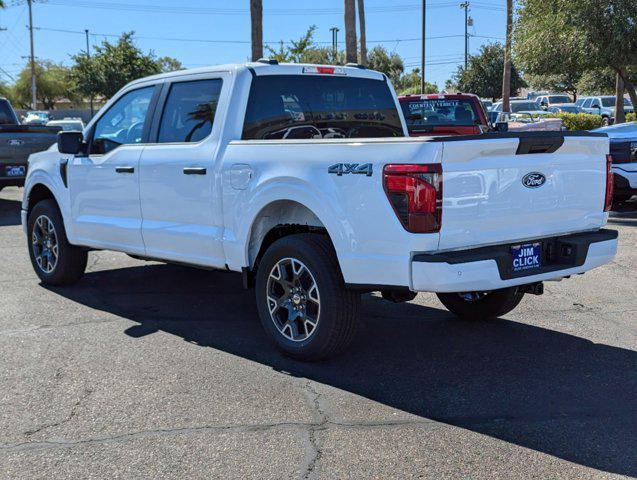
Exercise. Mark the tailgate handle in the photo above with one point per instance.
(195, 171)
(539, 144)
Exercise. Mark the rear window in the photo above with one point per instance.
(435, 112)
(316, 106)
(559, 99)
(7, 117)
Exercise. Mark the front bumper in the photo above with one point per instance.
(488, 268)
(625, 180)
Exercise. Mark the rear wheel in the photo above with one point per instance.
(605, 121)
(302, 300)
(482, 305)
(54, 259)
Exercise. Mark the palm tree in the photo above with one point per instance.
(256, 17)
(361, 26)
(350, 32)
(506, 77)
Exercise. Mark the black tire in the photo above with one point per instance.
(605, 121)
(491, 304)
(71, 260)
(338, 312)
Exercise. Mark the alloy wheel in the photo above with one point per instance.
(44, 241)
(293, 299)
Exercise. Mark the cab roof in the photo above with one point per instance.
(262, 68)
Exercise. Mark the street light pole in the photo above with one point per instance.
(334, 31)
(88, 55)
(422, 63)
(34, 99)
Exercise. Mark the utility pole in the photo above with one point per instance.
(465, 5)
(422, 58)
(34, 99)
(88, 55)
(334, 31)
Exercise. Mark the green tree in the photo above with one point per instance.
(297, 50)
(112, 66)
(557, 37)
(409, 84)
(483, 75)
(597, 81)
(53, 83)
(169, 64)
(391, 64)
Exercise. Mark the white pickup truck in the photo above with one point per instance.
(303, 178)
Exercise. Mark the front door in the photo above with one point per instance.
(178, 191)
(104, 184)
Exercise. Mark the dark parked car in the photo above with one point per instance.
(17, 142)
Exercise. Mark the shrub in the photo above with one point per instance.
(579, 121)
(631, 117)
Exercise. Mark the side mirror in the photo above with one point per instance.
(596, 105)
(501, 126)
(70, 142)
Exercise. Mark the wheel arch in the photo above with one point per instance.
(276, 220)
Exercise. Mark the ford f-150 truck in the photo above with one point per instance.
(303, 178)
(17, 142)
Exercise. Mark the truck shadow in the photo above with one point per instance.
(537, 388)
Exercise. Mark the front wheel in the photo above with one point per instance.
(303, 304)
(54, 259)
(482, 305)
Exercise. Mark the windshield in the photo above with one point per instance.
(559, 99)
(320, 106)
(523, 106)
(436, 112)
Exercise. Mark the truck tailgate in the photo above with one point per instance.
(489, 196)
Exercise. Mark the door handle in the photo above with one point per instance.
(195, 171)
(125, 169)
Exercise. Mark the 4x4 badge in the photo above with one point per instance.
(356, 168)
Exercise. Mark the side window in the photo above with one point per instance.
(587, 102)
(123, 123)
(190, 111)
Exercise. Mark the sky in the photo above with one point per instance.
(209, 32)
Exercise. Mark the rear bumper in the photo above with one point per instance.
(488, 268)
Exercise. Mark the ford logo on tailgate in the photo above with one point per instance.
(533, 180)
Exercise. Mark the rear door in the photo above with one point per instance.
(496, 190)
(179, 191)
(104, 184)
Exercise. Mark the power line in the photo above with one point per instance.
(184, 10)
(206, 40)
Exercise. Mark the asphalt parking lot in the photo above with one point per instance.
(145, 370)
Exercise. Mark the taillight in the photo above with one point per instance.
(415, 193)
(608, 201)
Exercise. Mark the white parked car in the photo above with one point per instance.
(303, 178)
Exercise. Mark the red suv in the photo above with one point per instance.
(441, 114)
